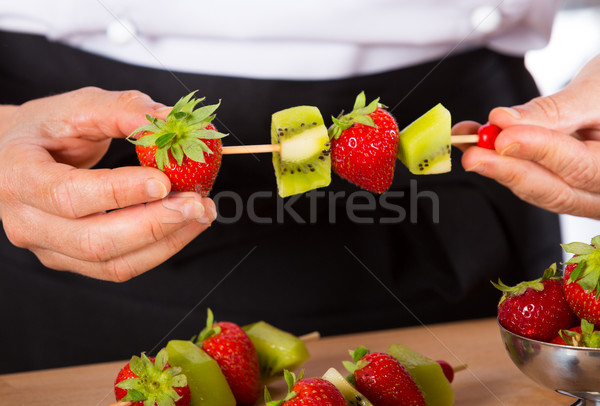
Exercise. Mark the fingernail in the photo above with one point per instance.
(194, 209)
(210, 214)
(479, 167)
(155, 189)
(513, 112)
(162, 110)
(511, 150)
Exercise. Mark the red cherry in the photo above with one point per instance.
(447, 370)
(487, 135)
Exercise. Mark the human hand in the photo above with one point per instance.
(548, 152)
(110, 224)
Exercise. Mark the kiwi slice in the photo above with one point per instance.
(425, 144)
(208, 385)
(304, 162)
(427, 373)
(352, 396)
(277, 349)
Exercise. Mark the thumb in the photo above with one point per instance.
(571, 109)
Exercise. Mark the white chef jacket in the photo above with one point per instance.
(280, 39)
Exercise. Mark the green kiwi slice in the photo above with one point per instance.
(427, 373)
(208, 386)
(277, 349)
(351, 395)
(425, 144)
(304, 161)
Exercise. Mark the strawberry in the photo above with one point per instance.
(364, 145)
(535, 309)
(233, 350)
(581, 281)
(383, 379)
(148, 381)
(583, 335)
(186, 146)
(307, 392)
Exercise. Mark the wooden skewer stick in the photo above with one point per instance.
(262, 148)
(252, 149)
(464, 139)
(314, 336)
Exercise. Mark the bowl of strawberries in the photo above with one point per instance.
(548, 325)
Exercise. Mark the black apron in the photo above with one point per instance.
(424, 252)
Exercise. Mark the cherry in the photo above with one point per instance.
(447, 370)
(487, 135)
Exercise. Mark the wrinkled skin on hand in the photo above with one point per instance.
(110, 224)
(548, 153)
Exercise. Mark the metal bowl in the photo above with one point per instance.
(572, 371)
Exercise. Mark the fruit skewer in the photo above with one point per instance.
(312, 336)
(266, 148)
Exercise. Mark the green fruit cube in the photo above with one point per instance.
(277, 349)
(304, 161)
(208, 385)
(427, 374)
(425, 144)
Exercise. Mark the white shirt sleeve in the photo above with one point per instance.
(309, 39)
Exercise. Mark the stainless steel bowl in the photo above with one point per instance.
(572, 371)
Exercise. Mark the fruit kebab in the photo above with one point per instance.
(361, 146)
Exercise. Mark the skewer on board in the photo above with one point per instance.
(313, 336)
(265, 148)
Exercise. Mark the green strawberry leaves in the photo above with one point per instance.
(588, 338)
(181, 133)
(358, 363)
(359, 115)
(154, 383)
(291, 380)
(587, 258)
(211, 328)
(512, 291)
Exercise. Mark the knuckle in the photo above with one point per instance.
(51, 261)
(556, 200)
(62, 197)
(93, 247)
(173, 244)
(15, 234)
(512, 178)
(130, 97)
(550, 107)
(119, 270)
(156, 229)
(89, 91)
(583, 177)
(109, 189)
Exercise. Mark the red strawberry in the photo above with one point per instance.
(536, 309)
(581, 281)
(186, 146)
(233, 350)
(307, 392)
(383, 379)
(583, 335)
(152, 381)
(364, 146)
